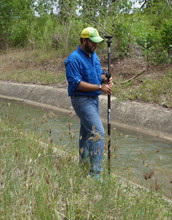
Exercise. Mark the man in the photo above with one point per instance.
(86, 81)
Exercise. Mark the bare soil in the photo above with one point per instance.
(130, 67)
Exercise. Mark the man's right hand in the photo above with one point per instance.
(107, 88)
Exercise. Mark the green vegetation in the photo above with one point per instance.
(57, 24)
(38, 181)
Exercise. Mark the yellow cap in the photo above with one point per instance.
(92, 34)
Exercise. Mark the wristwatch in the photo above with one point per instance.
(100, 87)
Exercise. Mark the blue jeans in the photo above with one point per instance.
(91, 139)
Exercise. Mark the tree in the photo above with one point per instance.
(13, 13)
(151, 3)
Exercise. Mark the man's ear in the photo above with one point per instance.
(84, 40)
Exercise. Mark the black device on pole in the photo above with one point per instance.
(109, 41)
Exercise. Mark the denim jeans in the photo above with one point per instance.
(91, 138)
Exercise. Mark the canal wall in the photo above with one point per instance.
(143, 118)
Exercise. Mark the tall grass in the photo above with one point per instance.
(37, 181)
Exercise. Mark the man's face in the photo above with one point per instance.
(89, 46)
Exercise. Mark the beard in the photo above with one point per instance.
(89, 49)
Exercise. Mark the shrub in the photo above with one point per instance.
(166, 36)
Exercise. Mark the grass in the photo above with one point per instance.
(37, 181)
(27, 66)
(149, 90)
(33, 76)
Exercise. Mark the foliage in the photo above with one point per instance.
(166, 34)
(57, 23)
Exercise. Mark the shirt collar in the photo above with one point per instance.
(83, 51)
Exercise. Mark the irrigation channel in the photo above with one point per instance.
(144, 160)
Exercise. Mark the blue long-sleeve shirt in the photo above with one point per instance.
(80, 66)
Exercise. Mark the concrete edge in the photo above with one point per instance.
(131, 116)
(120, 126)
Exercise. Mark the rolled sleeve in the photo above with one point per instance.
(72, 75)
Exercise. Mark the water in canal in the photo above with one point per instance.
(144, 160)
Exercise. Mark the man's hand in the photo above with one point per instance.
(105, 78)
(107, 88)
(88, 87)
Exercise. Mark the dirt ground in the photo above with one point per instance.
(130, 67)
